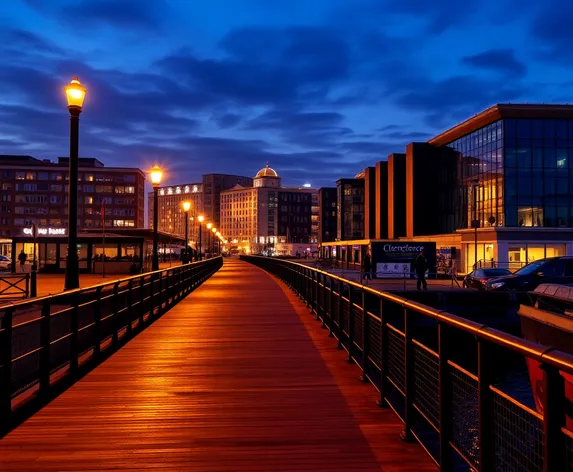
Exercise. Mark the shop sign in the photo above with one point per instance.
(45, 231)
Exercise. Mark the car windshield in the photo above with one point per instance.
(529, 268)
(496, 272)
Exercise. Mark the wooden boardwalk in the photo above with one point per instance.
(237, 377)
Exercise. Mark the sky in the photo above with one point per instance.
(320, 89)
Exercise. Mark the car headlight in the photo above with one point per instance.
(497, 284)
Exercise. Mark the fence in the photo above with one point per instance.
(44, 339)
(443, 375)
(14, 286)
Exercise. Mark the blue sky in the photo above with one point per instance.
(320, 88)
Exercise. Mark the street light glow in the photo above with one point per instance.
(156, 175)
(75, 93)
(214, 230)
(186, 206)
(200, 218)
(209, 225)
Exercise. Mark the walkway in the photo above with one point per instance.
(237, 377)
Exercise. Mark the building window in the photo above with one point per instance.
(56, 176)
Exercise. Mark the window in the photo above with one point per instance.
(6, 186)
(20, 175)
(88, 200)
(104, 189)
(55, 188)
(6, 198)
(88, 188)
(56, 176)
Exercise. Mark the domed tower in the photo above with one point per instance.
(267, 177)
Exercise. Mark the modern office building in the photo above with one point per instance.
(503, 178)
(205, 200)
(254, 219)
(35, 192)
(327, 201)
(350, 208)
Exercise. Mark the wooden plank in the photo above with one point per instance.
(228, 380)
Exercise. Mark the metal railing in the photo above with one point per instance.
(14, 286)
(444, 375)
(42, 340)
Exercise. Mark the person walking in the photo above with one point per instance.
(22, 260)
(367, 267)
(421, 266)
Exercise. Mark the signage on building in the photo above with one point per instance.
(395, 259)
(45, 231)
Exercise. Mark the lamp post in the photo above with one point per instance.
(75, 94)
(186, 208)
(193, 233)
(209, 226)
(218, 234)
(214, 231)
(156, 175)
(200, 219)
(475, 222)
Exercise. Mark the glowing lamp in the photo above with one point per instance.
(156, 175)
(186, 206)
(75, 93)
(200, 218)
(209, 225)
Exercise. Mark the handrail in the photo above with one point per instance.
(70, 329)
(440, 373)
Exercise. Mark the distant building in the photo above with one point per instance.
(350, 208)
(254, 219)
(35, 191)
(327, 201)
(205, 200)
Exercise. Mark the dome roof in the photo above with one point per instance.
(266, 172)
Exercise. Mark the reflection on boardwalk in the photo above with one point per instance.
(228, 380)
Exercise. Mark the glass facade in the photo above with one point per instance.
(516, 172)
(480, 177)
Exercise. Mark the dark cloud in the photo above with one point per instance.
(228, 120)
(497, 60)
(125, 15)
(552, 27)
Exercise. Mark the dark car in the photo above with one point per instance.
(479, 277)
(554, 270)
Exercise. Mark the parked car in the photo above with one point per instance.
(553, 270)
(479, 277)
(5, 263)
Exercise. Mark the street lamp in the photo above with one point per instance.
(75, 94)
(156, 175)
(193, 233)
(200, 219)
(214, 230)
(186, 208)
(209, 226)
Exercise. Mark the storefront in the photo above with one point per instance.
(115, 254)
(512, 248)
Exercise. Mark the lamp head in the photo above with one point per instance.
(156, 175)
(209, 225)
(186, 206)
(75, 93)
(200, 218)
(214, 230)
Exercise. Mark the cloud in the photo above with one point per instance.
(497, 60)
(552, 27)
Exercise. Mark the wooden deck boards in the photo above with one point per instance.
(228, 380)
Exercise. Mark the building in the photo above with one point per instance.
(497, 187)
(35, 192)
(254, 219)
(350, 208)
(204, 198)
(327, 200)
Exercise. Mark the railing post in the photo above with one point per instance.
(330, 308)
(97, 322)
(445, 400)
(408, 379)
(365, 340)
(28, 295)
(323, 307)
(383, 356)
(340, 314)
(45, 361)
(485, 406)
(553, 398)
(141, 301)
(74, 328)
(129, 307)
(6, 361)
(114, 337)
(350, 324)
